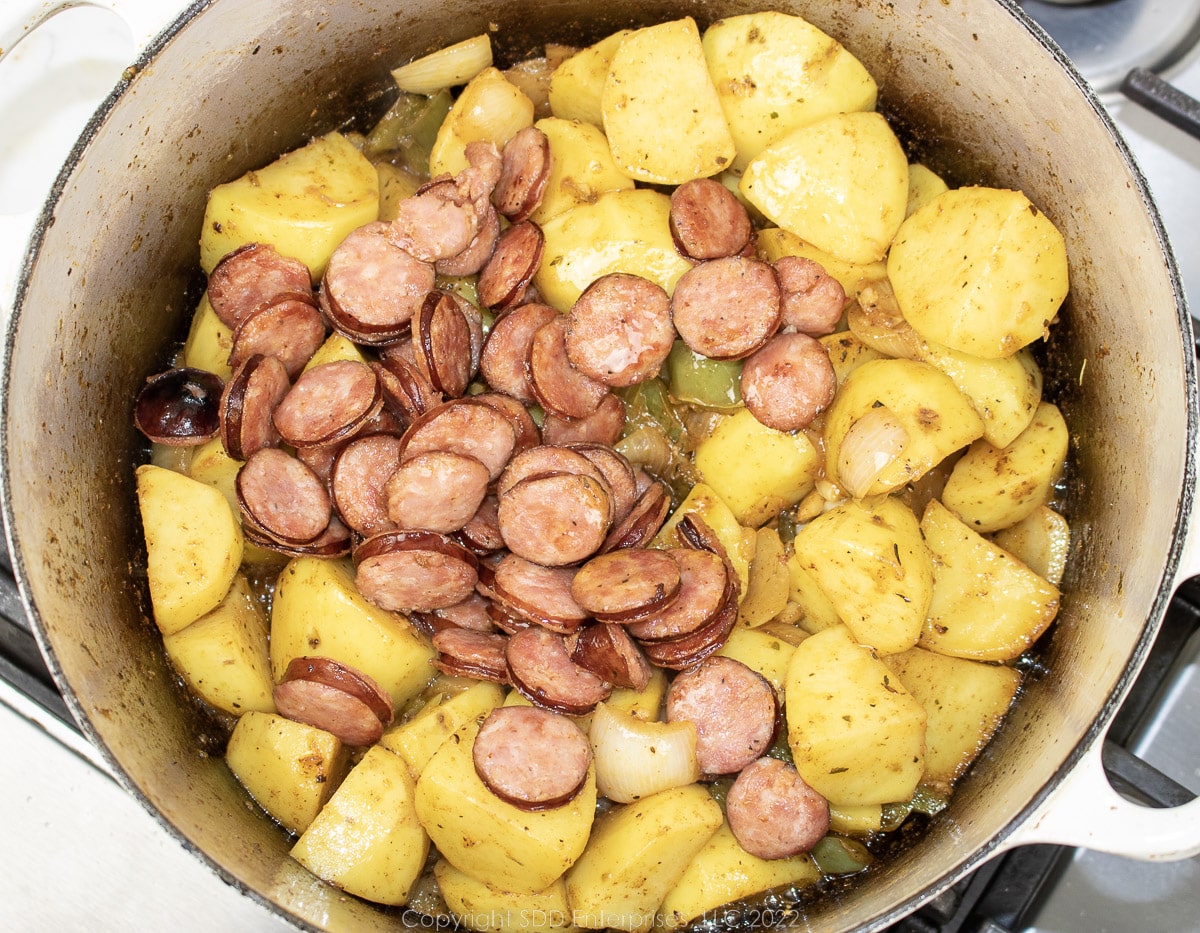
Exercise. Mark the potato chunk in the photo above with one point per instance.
(980, 270)
(1041, 541)
(485, 908)
(581, 167)
(661, 112)
(417, 740)
(577, 84)
(193, 545)
(209, 341)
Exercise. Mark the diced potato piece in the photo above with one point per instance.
(209, 341)
(769, 586)
(395, 184)
(991, 487)
(923, 186)
(304, 204)
(840, 183)
(662, 116)
(774, 73)
(289, 768)
(1041, 541)
(211, 465)
(760, 651)
(637, 854)
(757, 471)
(223, 655)
(858, 820)
(581, 167)
(774, 242)
(485, 908)
(492, 840)
(739, 542)
(847, 353)
(193, 545)
(986, 604)
(576, 85)
(490, 107)
(644, 704)
(1005, 391)
(622, 231)
(937, 417)
(817, 612)
(336, 347)
(366, 840)
(319, 612)
(418, 739)
(723, 872)
(965, 700)
(980, 270)
(872, 564)
(857, 736)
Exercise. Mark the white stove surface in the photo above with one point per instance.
(80, 854)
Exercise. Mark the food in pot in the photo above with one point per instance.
(629, 479)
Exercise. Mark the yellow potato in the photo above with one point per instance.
(858, 820)
(304, 204)
(840, 183)
(418, 739)
(637, 854)
(490, 107)
(769, 586)
(774, 72)
(289, 768)
(336, 347)
(761, 651)
(816, 611)
(993, 487)
(986, 604)
(847, 353)
(209, 341)
(621, 231)
(757, 471)
(223, 655)
(923, 186)
(774, 243)
(193, 545)
(366, 840)
(576, 84)
(581, 167)
(661, 113)
(395, 184)
(1041, 541)
(980, 270)
(857, 736)
(642, 704)
(484, 908)
(872, 564)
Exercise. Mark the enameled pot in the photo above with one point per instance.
(226, 85)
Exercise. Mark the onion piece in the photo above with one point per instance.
(455, 64)
(872, 444)
(635, 758)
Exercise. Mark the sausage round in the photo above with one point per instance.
(773, 813)
(507, 348)
(329, 695)
(555, 519)
(288, 329)
(702, 592)
(811, 300)
(415, 571)
(438, 490)
(557, 385)
(508, 271)
(359, 479)
(253, 275)
(643, 521)
(466, 653)
(541, 593)
(603, 426)
(707, 220)
(282, 497)
(442, 343)
(607, 651)
(541, 669)
(531, 757)
(788, 382)
(726, 309)
(328, 402)
(619, 331)
(464, 426)
(524, 171)
(626, 584)
(248, 404)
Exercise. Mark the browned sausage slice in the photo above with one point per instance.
(437, 223)
(438, 490)
(466, 653)
(358, 480)
(518, 415)
(788, 382)
(541, 593)
(329, 695)
(525, 169)
(812, 300)
(607, 651)
(464, 426)
(415, 571)
(618, 472)
(481, 535)
(733, 708)
(333, 542)
(254, 275)
(557, 385)
(288, 329)
(707, 220)
(726, 309)
(555, 519)
(619, 331)
(505, 277)
(406, 391)
(541, 669)
(543, 459)
(772, 811)
(478, 251)
(702, 592)
(686, 651)
(627, 584)
(442, 343)
(507, 349)
(248, 404)
(530, 757)
(328, 402)
(283, 498)
(648, 514)
(471, 614)
(603, 426)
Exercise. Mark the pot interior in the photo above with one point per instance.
(236, 82)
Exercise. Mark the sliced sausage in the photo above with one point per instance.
(254, 275)
(726, 309)
(507, 273)
(603, 426)
(343, 677)
(530, 757)
(442, 343)
(328, 402)
(417, 571)
(733, 709)
(541, 669)
(437, 223)
(812, 300)
(607, 651)
(619, 331)
(644, 520)
(466, 653)
(288, 329)
(471, 614)
(180, 407)
(464, 426)
(788, 382)
(557, 385)
(438, 490)
(525, 169)
(555, 519)
(627, 585)
(702, 593)
(543, 594)
(686, 651)
(406, 391)
(617, 471)
(333, 542)
(772, 811)
(518, 415)
(282, 498)
(544, 459)
(248, 404)
(507, 349)
(707, 220)
(358, 481)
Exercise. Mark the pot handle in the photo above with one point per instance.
(1084, 811)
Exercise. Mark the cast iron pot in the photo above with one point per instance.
(111, 271)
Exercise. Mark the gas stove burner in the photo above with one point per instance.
(1108, 38)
